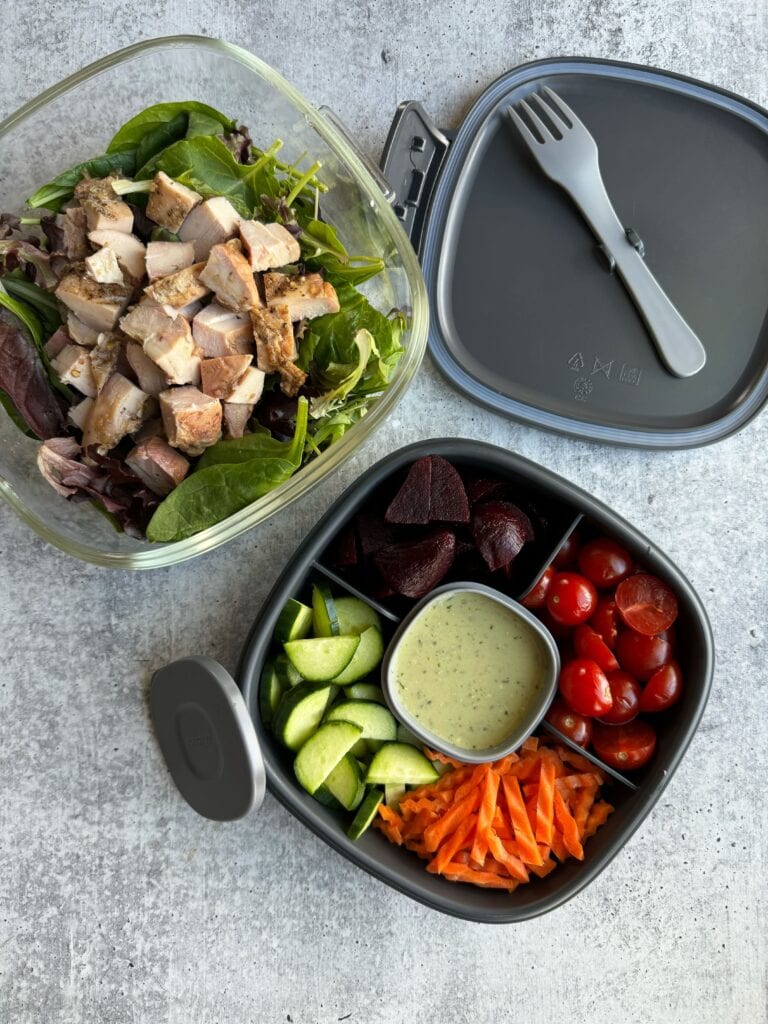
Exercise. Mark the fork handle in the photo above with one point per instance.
(678, 346)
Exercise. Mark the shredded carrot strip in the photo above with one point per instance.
(524, 836)
(485, 817)
(567, 825)
(544, 802)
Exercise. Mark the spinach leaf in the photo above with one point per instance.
(235, 474)
(322, 249)
(207, 165)
(133, 132)
(59, 191)
(43, 304)
(156, 140)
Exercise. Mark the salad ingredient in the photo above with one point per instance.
(165, 258)
(605, 620)
(299, 713)
(322, 658)
(209, 224)
(413, 568)
(589, 644)
(400, 763)
(355, 616)
(500, 531)
(432, 491)
(25, 390)
(119, 409)
(646, 604)
(191, 420)
(161, 467)
(304, 295)
(604, 562)
(365, 691)
(219, 331)
(566, 555)
(365, 659)
(345, 783)
(179, 289)
(104, 210)
(222, 374)
(169, 202)
(537, 595)
(469, 669)
(97, 305)
(73, 365)
(103, 267)
(640, 655)
(376, 721)
(268, 245)
(663, 689)
(495, 824)
(625, 692)
(366, 813)
(228, 274)
(584, 687)
(578, 728)
(325, 618)
(321, 753)
(624, 746)
(571, 598)
(131, 254)
(294, 622)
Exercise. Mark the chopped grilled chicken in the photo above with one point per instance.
(175, 352)
(149, 428)
(118, 410)
(268, 245)
(221, 375)
(306, 295)
(191, 419)
(235, 418)
(220, 332)
(228, 274)
(160, 467)
(78, 414)
(273, 331)
(73, 366)
(103, 267)
(291, 379)
(104, 210)
(72, 222)
(146, 320)
(57, 341)
(179, 289)
(81, 333)
(104, 356)
(96, 305)
(189, 312)
(211, 222)
(165, 258)
(170, 202)
(248, 389)
(149, 375)
(130, 252)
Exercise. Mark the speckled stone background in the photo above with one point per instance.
(118, 904)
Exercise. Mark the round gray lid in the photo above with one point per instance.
(207, 738)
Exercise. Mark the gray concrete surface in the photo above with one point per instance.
(117, 904)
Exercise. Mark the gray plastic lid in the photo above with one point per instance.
(207, 738)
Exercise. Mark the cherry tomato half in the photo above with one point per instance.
(646, 604)
(577, 728)
(624, 746)
(589, 644)
(571, 598)
(584, 688)
(537, 595)
(605, 621)
(663, 689)
(626, 693)
(642, 655)
(566, 556)
(605, 562)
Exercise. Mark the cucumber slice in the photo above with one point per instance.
(393, 794)
(345, 783)
(286, 673)
(270, 692)
(294, 621)
(361, 749)
(400, 762)
(299, 713)
(365, 814)
(367, 656)
(377, 722)
(326, 798)
(355, 615)
(375, 745)
(323, 658)
(325, 619)
(323, 751)
(404, 735)
(365, 691)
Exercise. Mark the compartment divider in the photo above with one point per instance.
(341, 582)
(589, 756)
(553, 552)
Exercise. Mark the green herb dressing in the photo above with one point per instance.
(470, 670)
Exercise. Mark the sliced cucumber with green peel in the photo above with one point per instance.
(325, 618)
(345, 783)
(375, 745)
(294, 621)
(270, 692)
(323, 751)
(299, 713)
(326, 798)
(367, 656)
(404, 735)
(355, 615)
(365, 691)
(361, 750)
(322, 659)
(377, 722)
(286, 673)
(393, 794)
(400, 762)
(366, 813)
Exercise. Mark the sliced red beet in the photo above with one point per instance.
(413, 568)
(410, 506)
(447, 497)
(344, 548)
(500, 529)
(481, 488)
(373, 533)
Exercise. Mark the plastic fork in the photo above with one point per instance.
(571, 161)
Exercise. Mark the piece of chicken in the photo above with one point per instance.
(221, 332)
(213, 221)
(149, 375)
(235, 418)
(273, 332)
(57, 341)
(170, 202)
(161, 467)
(191, 419)
(104, 356)
(221, 374)
(175, 352)
(104, 209)
(81, 333)
(78, 414)
(128, 249)
(146, 320)
(166, 258)
(291, 378)
(268, 245)
(103, 267)
(248, 389)
(118, 410)
(305, 295)
(73, 365)
(73, 223)
(228, 274)
(179, 289)
(96, 305)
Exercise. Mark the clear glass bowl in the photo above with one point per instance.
(74, 120)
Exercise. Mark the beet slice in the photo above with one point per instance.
(447, 497)
(343, 550)
(373, 533)
(410, 506)
(413, 568)
(500, 529)
(481, 488)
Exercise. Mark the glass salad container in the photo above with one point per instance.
(74, 120)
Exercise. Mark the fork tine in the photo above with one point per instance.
(562, 108)
(544, 132)
(556, 120)
(523, 128)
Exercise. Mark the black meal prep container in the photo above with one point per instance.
(211, 716)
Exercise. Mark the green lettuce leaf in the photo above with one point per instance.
(59, 191)
(330, 400)
(203, 119)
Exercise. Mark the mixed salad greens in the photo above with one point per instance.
(56, 272)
